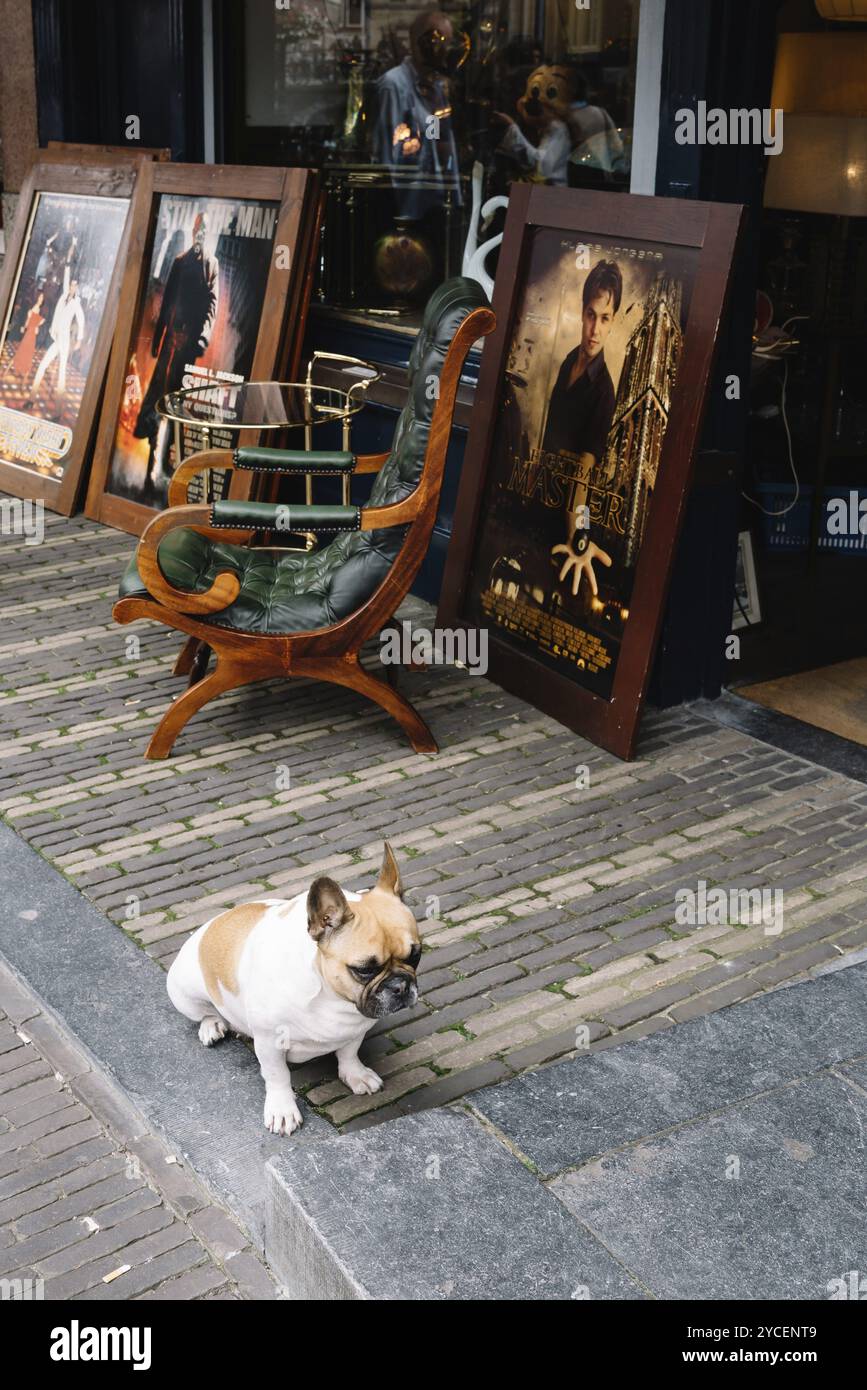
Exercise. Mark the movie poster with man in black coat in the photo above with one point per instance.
(581, 420)
(197, 325)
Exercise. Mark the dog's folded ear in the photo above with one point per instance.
(327, 908)
(389, 873)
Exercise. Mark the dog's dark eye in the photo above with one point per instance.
(552, 92)
(414, 957)
(364, 972)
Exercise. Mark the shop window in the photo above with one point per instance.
(416, 115)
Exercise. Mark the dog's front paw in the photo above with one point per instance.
(362, 1081)
(282, 1115)
(211, 1030)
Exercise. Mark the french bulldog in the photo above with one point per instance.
(301, 978)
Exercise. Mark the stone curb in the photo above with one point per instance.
(427, 1207)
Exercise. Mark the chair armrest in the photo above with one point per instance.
(371, 463)
(225, 588)
(317, 461)
(195, 464)
(283, 516)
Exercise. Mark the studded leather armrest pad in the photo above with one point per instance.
(316, 461)
(281, 516)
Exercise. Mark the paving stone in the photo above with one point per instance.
(35, 1172)
(31, 1069)
(47, 1103)
(551, 1045)
(518, 1244)
(529, 984)
(251, 1276)
(192, 1285)
(793, 1196)
(711, 1000)
(660, 999)
(222, 1236)
(146, 1276)
(739, 1052)
(15, 1004)
(30, 1251)
(347, 1106)
(63, 1057)
(442, 1018)
(794, 965)
(491, 1044)
(483, 980)
(81, 1203)
(439, 1092)
(101, 1244)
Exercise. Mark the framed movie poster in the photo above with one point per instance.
(58, 299)
(221, 255)
(579, 453)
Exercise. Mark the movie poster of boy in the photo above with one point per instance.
(584, 406)
(197, 323)
(51, 328)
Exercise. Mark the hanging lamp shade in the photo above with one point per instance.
(842, 9)
(820, 83)
(821, 74)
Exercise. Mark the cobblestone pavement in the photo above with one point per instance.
(92, 1207)
(547, 868)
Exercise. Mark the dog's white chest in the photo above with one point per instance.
(327, 1026)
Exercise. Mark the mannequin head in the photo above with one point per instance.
(430, 38)
(547, 96)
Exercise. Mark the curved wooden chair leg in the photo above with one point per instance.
(186, 655)
(199, 666)
(226, 676)
(353, 675)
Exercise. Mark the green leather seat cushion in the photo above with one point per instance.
(281, 591)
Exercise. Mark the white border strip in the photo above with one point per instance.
(648, 86)
(208, 80)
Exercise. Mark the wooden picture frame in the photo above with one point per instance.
(82, 151)
(673, 259)
(182, 191)
(48, 409)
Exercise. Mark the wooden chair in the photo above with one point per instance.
(266, 612)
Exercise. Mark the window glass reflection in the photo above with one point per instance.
(400, 104)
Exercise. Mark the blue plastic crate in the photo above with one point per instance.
(791, 531)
